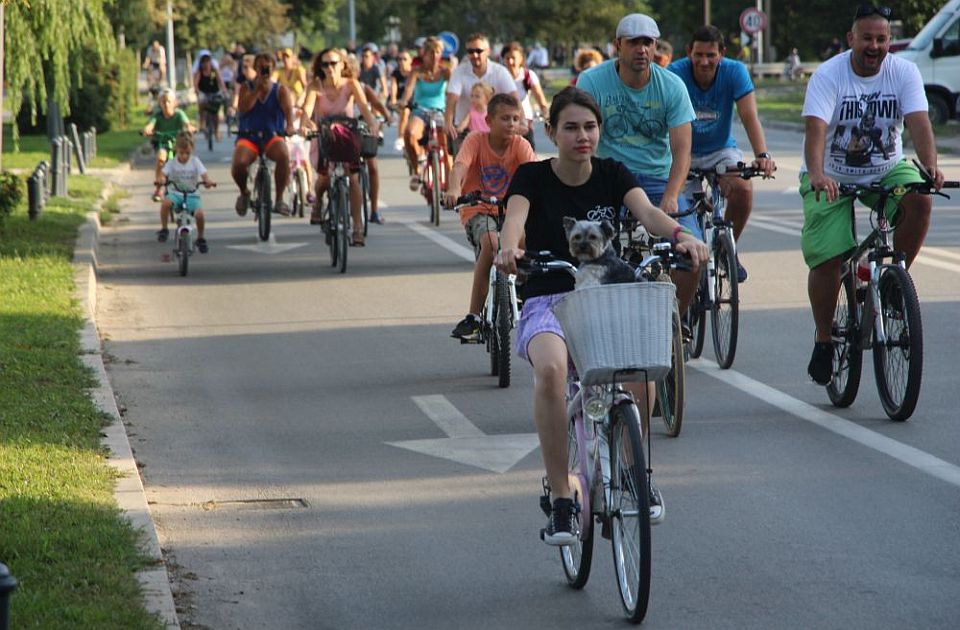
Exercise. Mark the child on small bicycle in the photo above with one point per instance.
(541, 194)
(185, 173)
(486, 162)
(163, 128)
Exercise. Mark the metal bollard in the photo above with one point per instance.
(44, 168)
(57, 188)
(7, 585)
(78, 148)
(34, 196)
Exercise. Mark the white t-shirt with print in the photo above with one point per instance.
(184, 176)
(864, 115)
(463, 79)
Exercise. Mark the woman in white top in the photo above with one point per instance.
(527, 85)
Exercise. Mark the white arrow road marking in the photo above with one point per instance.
(465, 443)
(921, 460)
(271, 246)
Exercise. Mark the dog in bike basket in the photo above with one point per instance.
(591, 243)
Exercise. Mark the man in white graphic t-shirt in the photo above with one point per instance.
(860, 101)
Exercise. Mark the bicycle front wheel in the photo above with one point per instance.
(435, 191)
(263, 196)
(847, 351)
(332, 237)
(365, 198)
(630, 511)
(898, 362)
(725, 314)
(502, 327)
(697, 319)
(671, 393)
(578, 557)
(343, 226)
(183, 254)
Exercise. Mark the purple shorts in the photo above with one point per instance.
(537, 317)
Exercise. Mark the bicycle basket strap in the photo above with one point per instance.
(615, 327)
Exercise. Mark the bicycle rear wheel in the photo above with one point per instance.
(210, 124)
(578, 557)
(435, 190)
(343, 226)
(265, 207)
(297, 193)
(503, 324)
(725, 314)
(898, 363)
(630, 510)
(671, 392)
(847, 351)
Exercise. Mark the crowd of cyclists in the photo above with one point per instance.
(626, 134)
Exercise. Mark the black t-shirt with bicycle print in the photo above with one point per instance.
(601, 197)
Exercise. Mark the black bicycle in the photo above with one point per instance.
(261, 199)
(211, 116)
(878, 309)
(336, 219)
(718, 292)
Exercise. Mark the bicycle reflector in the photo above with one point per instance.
(596, 409)
(900, 191)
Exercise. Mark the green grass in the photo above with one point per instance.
(61, 533)
(113, 147)
(112, 205)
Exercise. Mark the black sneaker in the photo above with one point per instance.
(562, 527)
(202, 245)
(657, 512)
(741, 272)
(162, 235)
(820, 368)
(467, 328)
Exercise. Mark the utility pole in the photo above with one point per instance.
(353, 22)
(2, 26)
(171, 56)
(758, 37)
(706, 11)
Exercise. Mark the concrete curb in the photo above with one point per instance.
(157, 596)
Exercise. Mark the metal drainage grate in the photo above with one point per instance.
(255, 504)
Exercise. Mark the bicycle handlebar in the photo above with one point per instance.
(472, 199)
(924, 188)
(741, 170)
(534, 263)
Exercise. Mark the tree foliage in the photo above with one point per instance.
(48, 42)
(215, 23)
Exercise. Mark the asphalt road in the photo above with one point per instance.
(318, 453)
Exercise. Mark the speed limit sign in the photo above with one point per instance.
(753, 20)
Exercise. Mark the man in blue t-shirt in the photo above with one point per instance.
(715, 84)
(647, 119)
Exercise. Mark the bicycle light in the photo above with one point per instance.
(596, 409)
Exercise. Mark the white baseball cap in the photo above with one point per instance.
(638, 25)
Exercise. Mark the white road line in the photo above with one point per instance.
(909, 455)
(447, 243)
(939, 264)
(944, 253)
(773, 226)
(447, 417)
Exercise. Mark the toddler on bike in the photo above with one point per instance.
(476, 120)
(185, 173)
(163, 128)
(486, 162)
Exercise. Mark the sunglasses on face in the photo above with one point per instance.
(329, 64)
(866, 10)
(475, 51)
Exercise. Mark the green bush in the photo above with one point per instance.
(11, 194)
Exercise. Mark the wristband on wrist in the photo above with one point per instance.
(677, 231)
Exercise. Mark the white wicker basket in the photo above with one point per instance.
(615, 327)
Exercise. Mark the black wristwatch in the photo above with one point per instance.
(764, 156)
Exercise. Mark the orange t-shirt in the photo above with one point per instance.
(488, 172)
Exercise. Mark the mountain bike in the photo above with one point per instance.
(261, 198)
(878, 309)
(210, 110)
(501, 310)
(336, 218)
(718, 292)
(433, 175)
(608, 471)
(671, 390)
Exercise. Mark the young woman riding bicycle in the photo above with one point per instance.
(540, 195)
(426, 89)
(333, 93)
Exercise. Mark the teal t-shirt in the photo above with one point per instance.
(637, 123)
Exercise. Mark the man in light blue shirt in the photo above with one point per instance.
(715, 84)
(647, 119)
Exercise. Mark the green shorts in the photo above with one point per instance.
(827, 231)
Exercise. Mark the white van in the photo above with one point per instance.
(936, 51)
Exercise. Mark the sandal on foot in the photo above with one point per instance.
(358, 240)
(414, 183)
(282, 208)
(243, 202)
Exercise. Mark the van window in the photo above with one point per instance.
(951, 39)
(925, 37)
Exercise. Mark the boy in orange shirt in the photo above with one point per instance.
(486, 162)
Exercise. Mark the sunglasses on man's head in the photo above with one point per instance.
(475, 51)
(866, 10)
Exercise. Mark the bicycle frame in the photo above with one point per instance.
(711, 221)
